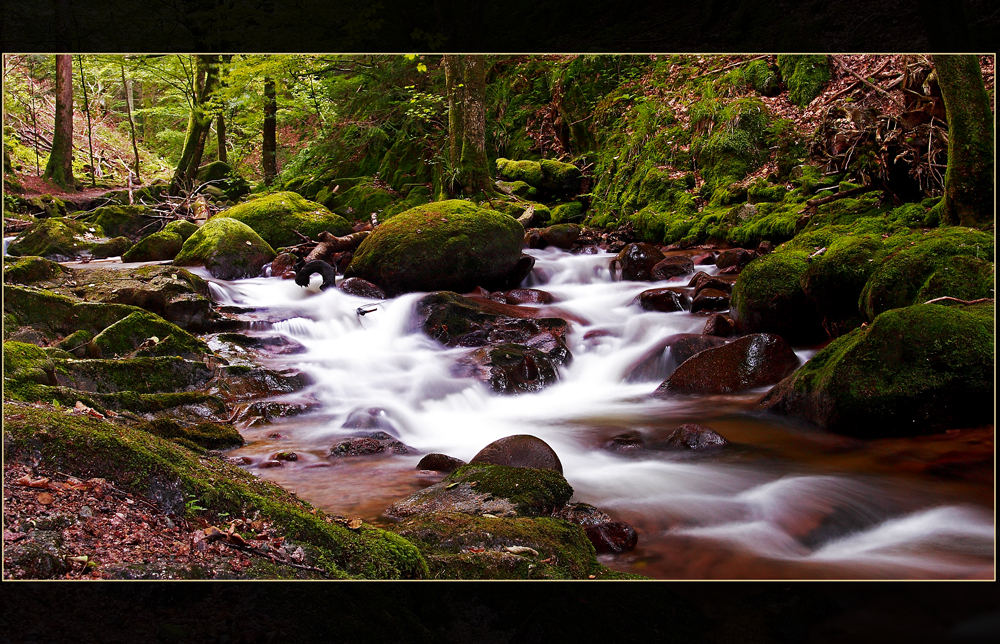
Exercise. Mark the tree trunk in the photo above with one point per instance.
(220, 130)
(131, 122)
(455, 91)
(968, 181)
(269, 148)
(90, 129)
(475, 172)
(199, 123)
(59, 168)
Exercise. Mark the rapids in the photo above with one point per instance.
(783, 501)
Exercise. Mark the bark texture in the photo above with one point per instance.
(268, 156)
(199, 122)
(59, 169)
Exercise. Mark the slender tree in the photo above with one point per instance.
(220, 131)
(90, 129)
(206, 82)
(59, 168)
(269, 147)
(131, 122)
(968, 181)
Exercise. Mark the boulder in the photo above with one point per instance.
(445, 245)
(30, 269)
(560, 235)
(671, 267)
(735, 258)
(114, 247)
(519, 450)
(161, 245)
(566, 213)
(510, 368)
(661, 359)
(118, 221)
(527, 296)
(710, 299)
(702, 280)
(692, 436)
(56, 238)
(667, 299)
(751, 361)
(228, 248)
(913, 370)
(720, 325)
(370, 445)
(606, 534)
(636, 261)
(361, 288)
(283, 265)
(768, 297)
(274, 217)
(440, 463)
(553, 178)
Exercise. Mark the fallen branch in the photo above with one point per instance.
(730, 66)
(254, 551)
(948, 298)
(330, 244)
(872, 85)
(812, 203)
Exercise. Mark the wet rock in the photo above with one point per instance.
(520, 450)
(734, 258)
(440, 463)
(561, 236)
(607, 535)
(667, 299)
(376, 443)
(636, 261)
(703, 259)
(673, 266)
(283, 264)
(625, 443)
(370, 418)
(510, 368)
(126, 221)
(228, 248)
(450, 244)
(527, 296)
(661, 359)
(751, 361)
(244, 382)
(710, 299)
(768, 297)
(703, 280)
(284, 456)
(270, 463)
(720, 325)
(692, 436)
(361, 288)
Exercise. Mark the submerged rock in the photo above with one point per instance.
(510, 368)
(751, 361)
(692, 436)
(606, 534)
(444, 245)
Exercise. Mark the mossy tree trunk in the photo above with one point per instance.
(220, 130)
(59, 169)
(968, 181)
(455, 92)
(199, 122)
(270, 145)
(465, 87)
(131, 122)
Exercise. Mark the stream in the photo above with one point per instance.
(782, 501)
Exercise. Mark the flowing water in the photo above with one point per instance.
(782, 501)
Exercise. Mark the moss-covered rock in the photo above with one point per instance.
(114, 247)
(950, 261)
(530, 172)
(804, 76)
(118, 221)
(57, 238)
(913, 370)
(445, 245)
(518, 188)
(572, 212)
(30, 269)
(169, 475)
(161, 245)
(45, 206)
(165, 374)
(274, 217)
(26, 363)
(361, 200)
(155, 336)
(54, 315)
(736, 146)
(213, 171)
(206, 435)
(560, 179)
(228, 248)
(768, 297)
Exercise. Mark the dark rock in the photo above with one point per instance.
(510, 368)
(764, 247)
(693, 437)
(720, 325)
(661, 360)
(768, 298)
(240, 382)
(607, 535)
(377, 443)
(268, 464)
(370, 418)
(667, 299)
(702, 280)
(519, 450)
(361, 288)
(636, 261)
(561, 236)
(527, 296)
(734, 258)
(710, 299)
(628, 442)
(751, 361)
(284, 456)
(673, 266)
(39, 555)
(703, 259)
(283, 264)
(440, 463)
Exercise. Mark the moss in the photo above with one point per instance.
(47, 206)
(445, 245)
(737, 145)
(275, 216)
(560, 178)
(56, 237)
(213, 171)
(835, 279)
(114, 247)
(163, 244)
(159, 375)
(519, 188)
(530, 172)
(26, 363)
(207, 435)
(132, 331)
(768, 297)
(571, 212)
(929, 266)
(532, 491)
(361, 200)
(30, 269)
(761, 190)
(804, 76)
(913, 370)
(118, 221)
(463, 546)
(55, 315)
(168, 475)
(228, 248)
(416, 196)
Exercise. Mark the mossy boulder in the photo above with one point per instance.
(275, 217)
(213, 171)
(552, 178)
(117, 221)
(768, 297)
(361, 200)
(913, 370)
(168, 475)
(163, 374)
(114, 247)
(834, 280)
(206, 435)
(805, 76)
(45, 206)
(949, 261)
(738, 144)
(446, 245)
(57, 238)
(30, 269)
(53, 315)
(518, 188)
(161, 245)
(26, 363)
(565, 213)
(228, 248)
(156, 336)
(529, 172)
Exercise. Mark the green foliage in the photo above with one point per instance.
(804, 76)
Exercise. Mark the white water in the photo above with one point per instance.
(749, 504)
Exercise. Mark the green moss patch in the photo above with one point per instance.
(274, 217)
(31, 269)
(118, 221)
(58, 238)
(228, 248)
(161, 245)
(533, 492)
(805, 76)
